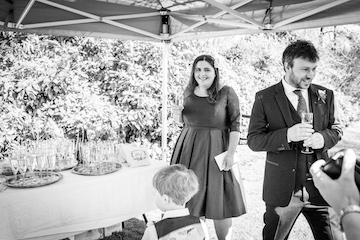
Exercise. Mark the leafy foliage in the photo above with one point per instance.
(62, 86)
(68, 85)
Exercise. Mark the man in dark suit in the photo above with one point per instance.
(275, 126)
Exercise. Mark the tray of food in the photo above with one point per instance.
(96, 169)
(34, 180)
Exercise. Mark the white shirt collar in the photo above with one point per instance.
(176, 213)
(293, 98)
(290, 89)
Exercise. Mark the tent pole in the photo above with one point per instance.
(165, 48)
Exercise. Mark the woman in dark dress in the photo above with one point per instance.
(211, 117)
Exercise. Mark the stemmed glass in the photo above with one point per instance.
(69, 153)
(307, 117)
(61, 160)
(105, 154)
(22, 166)
(85, 156)
(51, 160)
(40, 163)
(31, 163)
(14, 167)
(96, 157)
(46, 167)
(177, 108)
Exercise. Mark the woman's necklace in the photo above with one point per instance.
(200, 93)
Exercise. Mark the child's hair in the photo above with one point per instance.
(177, 182)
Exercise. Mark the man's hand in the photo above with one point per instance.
(315, 141)
(341, 192)
(300, 132)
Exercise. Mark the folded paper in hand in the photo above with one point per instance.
(220, 160)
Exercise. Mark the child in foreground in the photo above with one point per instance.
(175, 185)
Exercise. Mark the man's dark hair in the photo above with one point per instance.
(299, 49)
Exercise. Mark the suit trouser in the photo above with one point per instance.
(323, 220)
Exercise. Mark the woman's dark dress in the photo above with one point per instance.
(206, 134)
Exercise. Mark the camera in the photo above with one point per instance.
(332, 168)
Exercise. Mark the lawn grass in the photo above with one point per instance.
(133, 230)
(248, 226)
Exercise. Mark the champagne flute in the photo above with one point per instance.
(177, 108)
(96, 157)
(63, 156)
(85, 156)
(307, 117)
(31, 162)
(45, 167)
(70, 153)
(22, 166)
(14, 167)
(51, 160)
(40, 163)
(58, 161)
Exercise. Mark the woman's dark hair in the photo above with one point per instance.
(214, 89)
(299, 49)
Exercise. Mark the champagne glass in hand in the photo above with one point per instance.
(307, 117)
(177, 108)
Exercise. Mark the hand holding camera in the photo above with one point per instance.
(334, 165)
(338, 179)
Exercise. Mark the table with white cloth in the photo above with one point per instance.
(77, 203)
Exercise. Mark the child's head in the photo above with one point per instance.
(177, 182)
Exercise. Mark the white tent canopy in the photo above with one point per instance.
(171, 20)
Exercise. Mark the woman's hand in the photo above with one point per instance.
(176, 109)
(176, 112)
(228, 161)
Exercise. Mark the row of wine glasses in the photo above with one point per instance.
(26, 164)
(36, 160)
(65, 152)
(97, 156)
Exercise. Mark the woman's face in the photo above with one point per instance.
(204, 74)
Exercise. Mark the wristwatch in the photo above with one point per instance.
(346, 210)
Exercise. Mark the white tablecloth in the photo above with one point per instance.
(77, 203)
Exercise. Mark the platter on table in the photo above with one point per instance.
(34, 180)
(96, 169)
(2, 185)
(5, 169)
(65, 165)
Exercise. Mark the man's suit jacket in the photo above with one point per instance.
(270, 119)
